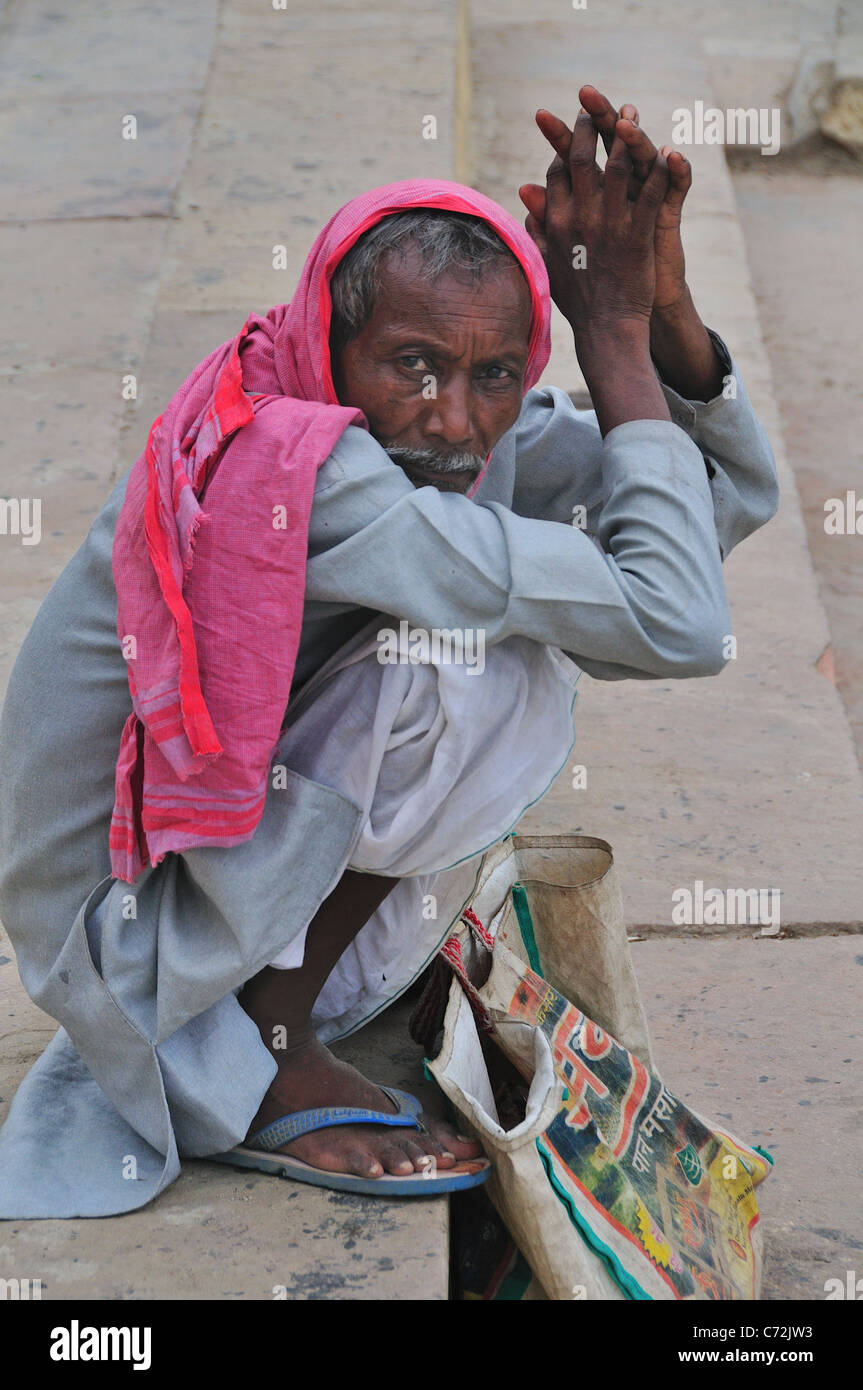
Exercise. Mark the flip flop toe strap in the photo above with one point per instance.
(290, 1127)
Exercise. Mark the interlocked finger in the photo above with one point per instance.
(642, 150)
(607, 121)
(618, 170)
(649, 201)
(583, 172)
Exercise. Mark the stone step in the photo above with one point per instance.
(750, 779)
(220, 1233)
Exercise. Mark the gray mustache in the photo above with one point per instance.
(459, 462)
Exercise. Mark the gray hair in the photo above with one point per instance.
(447, 240)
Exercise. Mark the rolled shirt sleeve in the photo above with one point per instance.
(559, 459)
(645, 598)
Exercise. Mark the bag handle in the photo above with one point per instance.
(452, 953)
(427, 1018)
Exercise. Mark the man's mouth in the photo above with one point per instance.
(450, 472)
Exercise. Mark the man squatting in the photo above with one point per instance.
(443, 508)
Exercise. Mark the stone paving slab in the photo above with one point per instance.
(109, 175)
(162, 45)
(59, 438)
(766, 1038)
(77, 296)
(67, 80)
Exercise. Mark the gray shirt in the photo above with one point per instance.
(636, 591)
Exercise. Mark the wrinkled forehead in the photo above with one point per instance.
(497, 293)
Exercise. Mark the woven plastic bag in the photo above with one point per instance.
(610, 1186)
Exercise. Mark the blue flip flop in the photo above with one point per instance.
(258, 1152)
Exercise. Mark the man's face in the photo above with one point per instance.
(438, 369)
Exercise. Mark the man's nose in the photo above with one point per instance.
(450, 417)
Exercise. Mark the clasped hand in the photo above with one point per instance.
(610, 239)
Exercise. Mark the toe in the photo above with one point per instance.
(364, 1164)
(361, 1162)
(460, 1145)
(396, 1161)
(427, 1155)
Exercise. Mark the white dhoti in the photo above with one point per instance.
(442, 759)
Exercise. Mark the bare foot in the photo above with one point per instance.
(310, 1077)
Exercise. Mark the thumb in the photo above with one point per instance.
(679, 182)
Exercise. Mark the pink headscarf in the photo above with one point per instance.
(210, 603)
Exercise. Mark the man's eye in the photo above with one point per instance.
(504, 372)
(413, 361)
